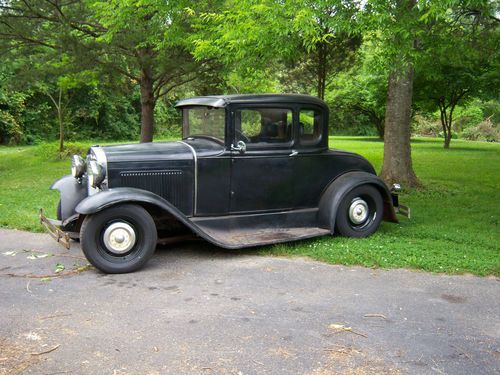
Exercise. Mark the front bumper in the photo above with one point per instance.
(53, 227)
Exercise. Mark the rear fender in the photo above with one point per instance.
(111, 197)
(338, 189)
(72, 192)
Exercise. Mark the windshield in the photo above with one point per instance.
(203, 121)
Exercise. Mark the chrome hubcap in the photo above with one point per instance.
(358, 211)
(119, 238)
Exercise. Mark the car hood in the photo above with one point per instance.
(175, 150)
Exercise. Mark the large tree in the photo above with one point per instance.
(306, 41)
(394, 27)
(461, 61)
(145, 40)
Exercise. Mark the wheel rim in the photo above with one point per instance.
(358, 211)
(119, 238)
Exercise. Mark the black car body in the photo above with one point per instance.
(251, 170)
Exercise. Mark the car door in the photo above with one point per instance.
(262, 174)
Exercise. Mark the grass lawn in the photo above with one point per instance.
(455, 218)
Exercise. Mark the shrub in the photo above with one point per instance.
(484, 131)
(10, 131)
(425, 126)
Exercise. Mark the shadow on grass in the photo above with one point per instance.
(451, 150)
(355, 139)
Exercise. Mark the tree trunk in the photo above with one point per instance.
(147, 107)
(397, 165)
(321, 73)
(61, 129)
(60, 116)
(379, 124)
(445, 121)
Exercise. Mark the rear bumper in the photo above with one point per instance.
(403, 210)
(399, 208)
(53, 227)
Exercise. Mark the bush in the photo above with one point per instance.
(468, 116)
(10, 131)
(484, 131)
(426, 127)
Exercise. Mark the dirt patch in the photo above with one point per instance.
(349, 360)
(15, 358)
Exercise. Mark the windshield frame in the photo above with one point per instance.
(186, 128)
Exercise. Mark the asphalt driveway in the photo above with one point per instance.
(196, 309)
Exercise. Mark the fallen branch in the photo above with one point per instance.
(55, 254)
(47, 351)
(47, 276)
(50, 275)
(375, 316)
(342, 328)
(53, 316)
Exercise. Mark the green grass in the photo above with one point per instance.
(455, 218)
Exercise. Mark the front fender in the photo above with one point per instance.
(111, 197)
(338, 188)
(72, 192)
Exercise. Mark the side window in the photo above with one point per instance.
(263, 125)
(309, 126)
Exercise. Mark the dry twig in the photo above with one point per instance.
(342, 328)
(47, 351)
(53, 316)
(375, 316)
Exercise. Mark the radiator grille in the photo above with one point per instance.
(173, 185)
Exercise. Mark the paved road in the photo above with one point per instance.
(198, 310)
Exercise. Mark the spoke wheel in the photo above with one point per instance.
(119, 239)
(360, 212)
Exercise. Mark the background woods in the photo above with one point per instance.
(74, 70)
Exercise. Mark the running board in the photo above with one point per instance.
(238, 231)
(239, 238)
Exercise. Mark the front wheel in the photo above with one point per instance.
(119, 239)
(360, 212)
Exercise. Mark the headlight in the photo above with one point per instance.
(95, 173)
(77, 166)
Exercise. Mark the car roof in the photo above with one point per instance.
(221, 101)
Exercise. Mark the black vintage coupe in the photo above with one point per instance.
(251, 170)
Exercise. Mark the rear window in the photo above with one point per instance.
(309, 126)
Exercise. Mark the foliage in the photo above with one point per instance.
(309, 40)
(119, 63)
(457, 183)
(357, 97)
(484, 131)
(468, 115)
(460, 61)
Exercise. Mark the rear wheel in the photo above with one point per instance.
(119, 239)
(360, 212)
